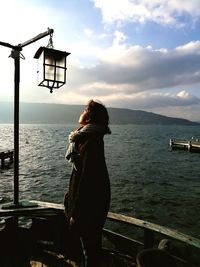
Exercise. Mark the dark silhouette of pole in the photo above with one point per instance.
(16, 126)
(16, 54)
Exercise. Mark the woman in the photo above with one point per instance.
(88, 199)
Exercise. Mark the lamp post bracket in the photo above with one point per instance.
(37, 37)
(11, 46)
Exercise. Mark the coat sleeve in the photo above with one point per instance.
(79, 204)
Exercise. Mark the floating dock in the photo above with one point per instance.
(190, 145)
(6, 154)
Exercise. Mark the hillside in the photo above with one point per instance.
(69, 114)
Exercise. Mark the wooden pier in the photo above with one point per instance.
(4, 155)
(190, 145)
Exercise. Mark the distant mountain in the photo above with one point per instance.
(128, 116)
(69, 114)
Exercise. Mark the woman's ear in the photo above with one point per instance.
(87, 118)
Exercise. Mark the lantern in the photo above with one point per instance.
(51, 67)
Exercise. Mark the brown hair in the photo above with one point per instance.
(97, 113)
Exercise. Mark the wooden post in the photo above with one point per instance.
(2, 162)
(189, 146)
(171, 143)
(11, 157)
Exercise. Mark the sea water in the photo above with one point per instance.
(148, 179)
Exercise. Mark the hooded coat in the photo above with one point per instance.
(88, 197)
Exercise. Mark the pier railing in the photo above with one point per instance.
(47, 207)
(190, 145)
(149, 229)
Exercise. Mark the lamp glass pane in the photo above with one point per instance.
(49, 72)
(49, 59)
(49, 66)
(60, 75)
(60, 62)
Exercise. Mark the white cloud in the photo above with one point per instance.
(22, 20)
(186, 112)
(136, 69)
(119, 37)
(138, 77)
(184, 95)
(166, 12)
(119, 75)
(191, 47)
(148, 100)
(88, 32)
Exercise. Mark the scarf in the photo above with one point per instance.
(72, 153)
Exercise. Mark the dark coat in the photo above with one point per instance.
(88, 198)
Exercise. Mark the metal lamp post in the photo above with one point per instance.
(54, 77)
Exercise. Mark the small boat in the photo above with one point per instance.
(35, 235)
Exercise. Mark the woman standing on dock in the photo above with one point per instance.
(88, 199)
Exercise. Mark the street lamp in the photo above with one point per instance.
(51, 67)
(54, 67)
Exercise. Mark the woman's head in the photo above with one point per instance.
(94, 113)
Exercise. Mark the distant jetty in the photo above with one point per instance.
(190, 145)
(6, 154)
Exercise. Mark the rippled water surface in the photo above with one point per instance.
(148, 180)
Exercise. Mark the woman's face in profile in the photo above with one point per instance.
(83, 118)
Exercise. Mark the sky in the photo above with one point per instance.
(137, 54)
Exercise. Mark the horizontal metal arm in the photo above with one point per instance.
(7, 45)
(36, 38)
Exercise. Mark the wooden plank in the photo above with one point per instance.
(119, 242)
(53, 208)
(38, 210)
(48, 205)
(156, 228)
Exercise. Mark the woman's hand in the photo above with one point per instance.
(71, 137)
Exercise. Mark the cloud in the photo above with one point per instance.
(186, 112)
(102, 65)
(180, 105)
(138, 77)
(88, 32)
(119, 37)
(165, 12)
(132, 69)
(25, 23)
(147, 100)
(183, 98)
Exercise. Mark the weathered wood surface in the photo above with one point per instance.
(156, 228)
(47, 209)
(53, 208)
(190, 145)
(41, 208)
